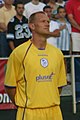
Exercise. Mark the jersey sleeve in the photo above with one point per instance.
(62, 73)
(10, 31)
(12, 71)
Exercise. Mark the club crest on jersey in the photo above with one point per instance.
(44, 62)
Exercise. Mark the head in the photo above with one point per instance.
(51, 3)
(47, 9)
(39, 23)
(61, 12)
(8, 2)
(19, 7)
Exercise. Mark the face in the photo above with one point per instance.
(48, 11)
(40, 24)
(62, 13)
(8, 2)
(20, 9)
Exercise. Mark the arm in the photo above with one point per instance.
(3, 27)
(11, 92)
(55, 33)
(11, 44)
(11, 33)
(70, 52)
(73, 22)
(60, 89)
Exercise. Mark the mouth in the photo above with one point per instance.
(46, 29)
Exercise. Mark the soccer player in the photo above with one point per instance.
(35, 74)
(18, 31)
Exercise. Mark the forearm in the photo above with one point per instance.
(55, 33)
(73, 22)
(11, 92)
(60, 89)
(3, 27)
(11, 44)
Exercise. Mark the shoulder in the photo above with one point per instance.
(2, 9)
(20, 51)
(25, 19)
(12, 20)
(13, 7)
(53, 22)
(28, 4)
(40, 3)
(55, 50)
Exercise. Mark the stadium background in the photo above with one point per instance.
(66, 106)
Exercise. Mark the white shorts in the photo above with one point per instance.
(75, 41)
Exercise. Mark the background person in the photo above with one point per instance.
(73, 13)
(32, 7)
(54, 27)
(35, 76)
(64, 42)
(18, 31)
(6, 13)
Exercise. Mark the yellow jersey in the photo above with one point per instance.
(44, 72)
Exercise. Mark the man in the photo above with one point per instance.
(33, 6)
(73, 12)
(18, 31)
(35, 76)
(6, 13)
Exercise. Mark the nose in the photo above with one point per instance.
(47, 23)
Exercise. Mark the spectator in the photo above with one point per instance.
(18, 31)
(64, 42)
(54, 27)
(73, 13)
(54, 6)
(6, 13)
(33, 6)
(35, 76)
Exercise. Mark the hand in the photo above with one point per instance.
(62, 27)
(56, 33)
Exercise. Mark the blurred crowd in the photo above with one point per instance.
(64, 18)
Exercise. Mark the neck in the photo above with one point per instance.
(8, 6)
(62, 19)
(35, 2)
(19, 17)
(39, 42)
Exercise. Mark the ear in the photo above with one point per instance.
(32, 26)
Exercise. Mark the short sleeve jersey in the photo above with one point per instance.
(18, 31)
(44, 72)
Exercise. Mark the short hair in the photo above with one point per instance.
(45, 7)
(32, 16)
(60, 7)
(18, 2)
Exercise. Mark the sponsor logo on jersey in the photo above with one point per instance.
(44, 62)
(45, 78)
